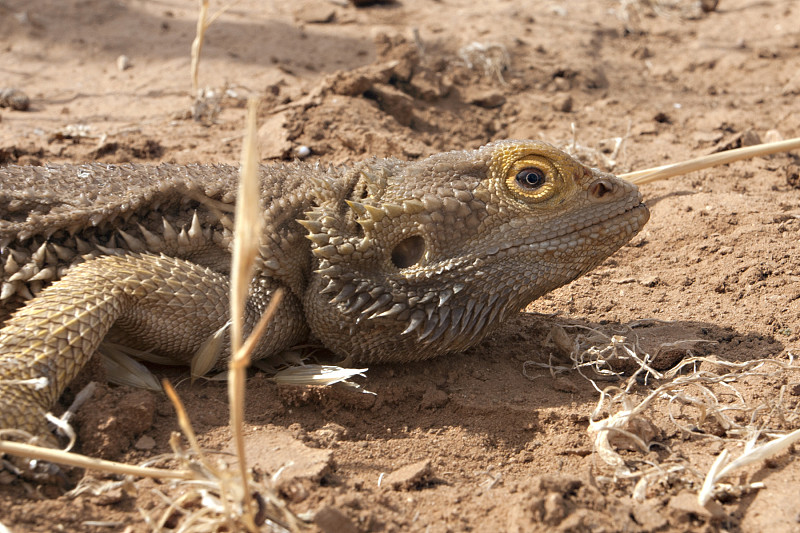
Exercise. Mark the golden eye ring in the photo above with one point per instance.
(532, 179)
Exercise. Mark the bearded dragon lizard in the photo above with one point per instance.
(381, 261)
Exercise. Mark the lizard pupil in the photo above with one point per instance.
(531, 178)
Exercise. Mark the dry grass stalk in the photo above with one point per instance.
(317, 375)
(223, 494)
(649, 175)
(218, 497)
(197, 44)
(723, 467)
(493, 59)
(203, 22)
(605, 155)
(245, 249)
(41, 453)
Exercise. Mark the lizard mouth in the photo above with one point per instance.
(635, 216)
(604, 233)
(612, 229)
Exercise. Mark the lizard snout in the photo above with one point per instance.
(607, 187)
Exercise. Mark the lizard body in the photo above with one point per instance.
(382, 261)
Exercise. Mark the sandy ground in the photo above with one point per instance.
(489, 440)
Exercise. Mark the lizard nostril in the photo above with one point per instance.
(408, 252)
(600, 188)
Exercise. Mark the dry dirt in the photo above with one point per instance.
(486, 440)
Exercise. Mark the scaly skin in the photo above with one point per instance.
(385, 261)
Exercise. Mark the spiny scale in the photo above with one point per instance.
(25, 269)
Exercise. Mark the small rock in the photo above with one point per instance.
(123, 63)
(429, 85)
(750, 138)
(302, 151)
(662, 118)
(561, 84)
(772, 136)
(708, 5)
(555, 509)
(562, 103)
(642, 52)
(564, 385)
(111, 497)
(561, 341)
(793, 176)
(290, 459)
(433, 398)
(408, 476)
(328, 435)
(649, 517)
(332, 520)
(273, 137)
(145, 442)
(737, 140)
(315, 12)
(394, 102)
(15, 99)
(649, 281)
(487, 99)
(792, 86)
(357, 82)
(684, 507)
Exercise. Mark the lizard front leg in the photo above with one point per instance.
(158, 303)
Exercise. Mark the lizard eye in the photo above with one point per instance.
(531, 178)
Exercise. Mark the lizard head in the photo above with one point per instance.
(426, 257)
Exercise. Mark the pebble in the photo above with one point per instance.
(14, 98)
(145, 443)
(123, 63)
(331, 520)
(408, 476)
(562, 103)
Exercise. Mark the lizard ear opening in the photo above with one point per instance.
(408, 252)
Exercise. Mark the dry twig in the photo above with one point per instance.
(676, 169)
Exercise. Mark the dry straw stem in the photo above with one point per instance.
(316, 375)
(185, 424)
(247, 234)
(640, 177)
(245, 249)
(752, 454)
(203, 22)
(41, 453)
